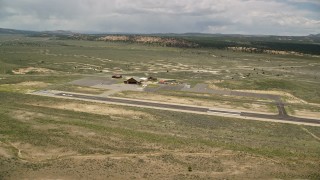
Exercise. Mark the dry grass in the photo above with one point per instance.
(78, 89)
(306, 113)
(31, 70)
(172, 165)
(47, 138)
(24, 87)
(72, 139)
(250, 106)
(101, 109)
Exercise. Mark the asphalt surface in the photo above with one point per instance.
(107, 83)
(282, 111)
(282, 116)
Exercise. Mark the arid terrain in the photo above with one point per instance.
(46, 136)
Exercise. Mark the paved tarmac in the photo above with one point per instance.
(282, 116)
(111, 84)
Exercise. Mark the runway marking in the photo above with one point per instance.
(224, 112)
(283, 118)
(280, 117)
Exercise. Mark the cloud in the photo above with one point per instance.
(288, 17)
(305, 1)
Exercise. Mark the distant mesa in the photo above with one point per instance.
(165, 41)
(270, 44)
(114, 38)
(315, 35)
(37, 33)
(13, 31)
(59, 32)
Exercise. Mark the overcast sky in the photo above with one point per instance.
(278, 17)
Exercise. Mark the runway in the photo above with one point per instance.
(282, 116)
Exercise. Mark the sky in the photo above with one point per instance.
(259, 17)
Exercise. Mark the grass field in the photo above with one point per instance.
(46, 138)
(293, 74)
(200, 99)
(42, 135)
